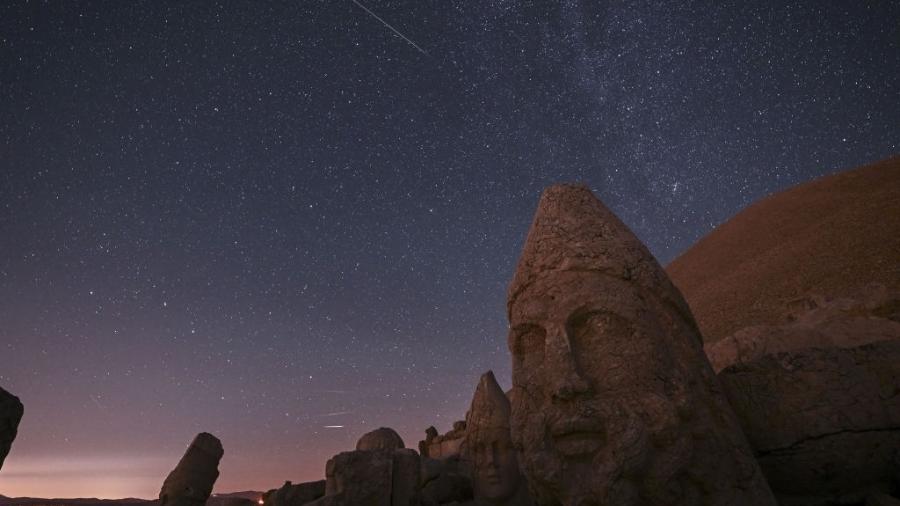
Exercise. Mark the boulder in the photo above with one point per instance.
(824, 423)
(614, 401)
(11, 411)
(815, 321)
(192, 480)
(383, 438)
(376, 477)
(359, 477)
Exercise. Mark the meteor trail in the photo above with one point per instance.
(385, 23)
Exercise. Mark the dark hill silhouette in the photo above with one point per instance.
(214, 500)
(830, 236)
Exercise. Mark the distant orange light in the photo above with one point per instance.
(260, 500)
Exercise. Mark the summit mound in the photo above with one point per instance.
(834, 236)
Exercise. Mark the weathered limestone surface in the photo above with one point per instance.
(488, 449)
(11, 411)
(824, 423)
(192, 480)
(613, 400)
(815, 321)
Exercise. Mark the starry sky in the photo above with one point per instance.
(289, 223)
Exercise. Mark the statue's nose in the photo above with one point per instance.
(569, 382)
(571, 387)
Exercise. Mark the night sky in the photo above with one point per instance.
(261, 220)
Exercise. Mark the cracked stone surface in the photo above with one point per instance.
(613, 399)
(11, 411)
(192, 480)
(824, 423)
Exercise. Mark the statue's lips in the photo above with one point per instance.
(578, 436)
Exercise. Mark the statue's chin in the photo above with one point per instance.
(497, 493)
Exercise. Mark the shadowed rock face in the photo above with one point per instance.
(445, 481)
(824, 423)
(192, 480)
(11, 411)
(488, 448)
(815, 321)
(380, 472)
(383, 438)
(613, 400)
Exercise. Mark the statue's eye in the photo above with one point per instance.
(591, 326)
(527, 341)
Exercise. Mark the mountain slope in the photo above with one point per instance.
(831, 236)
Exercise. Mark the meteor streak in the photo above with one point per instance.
(385, 23)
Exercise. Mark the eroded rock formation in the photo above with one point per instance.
(192, 480)
(488, 449)
(613, 399)
(11, 411)
(815, 321)
(824, 423)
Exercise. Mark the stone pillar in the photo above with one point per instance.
(192, 480)
(11, 411)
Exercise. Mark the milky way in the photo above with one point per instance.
(287, 224)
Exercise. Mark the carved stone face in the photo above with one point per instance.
(496, 469)
(599, 389)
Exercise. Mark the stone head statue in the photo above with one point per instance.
(613, 399)
(488, 448)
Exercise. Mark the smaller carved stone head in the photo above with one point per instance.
(488, 446)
